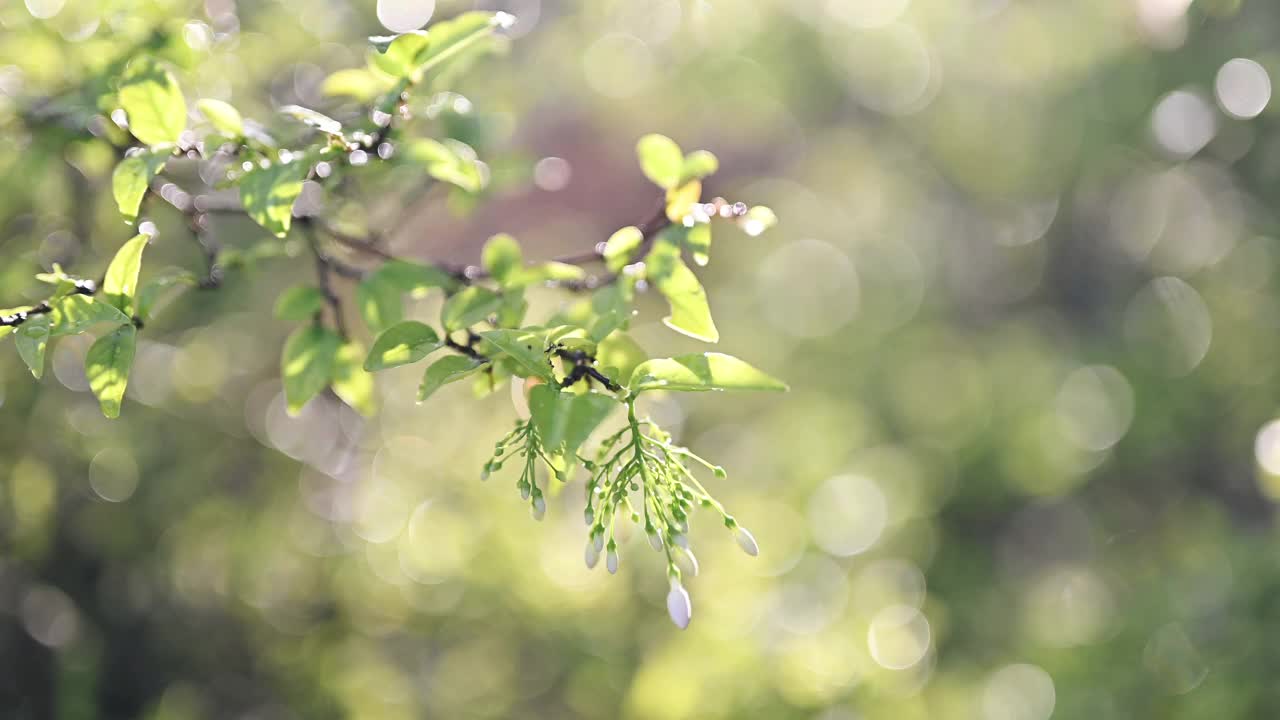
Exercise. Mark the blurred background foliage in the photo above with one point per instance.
(1023, 291)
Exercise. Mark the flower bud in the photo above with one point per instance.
(611, 560)
(679, 540)
(688, 562)
(598, 540)
(655, 539)
(524, 491)
(679, 607)
(539, 507)
(746, 541)
(592, 555)
(720, 472)
(589, 515)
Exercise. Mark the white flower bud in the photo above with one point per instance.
(746, 541)
(688, 562)
(598, 541)
(539, 508)
(589, 515)
(679, 607)
(680, 540)
(524, 492)
(655, 539)
(611, 562)
(592, 555)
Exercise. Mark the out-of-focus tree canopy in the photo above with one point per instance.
(1022, 289)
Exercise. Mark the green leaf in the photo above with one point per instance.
(701, 371)
(307, 366)
(528, 349)
(401, 344)
(359, 84)
(415, 279)
(690, 312)
(447, 39)
(619, 355)
(698, 240)
(611, 306)
(444, 371)
(132, 177)
(107, 365)
(565, 420)
(73, 314)
(619, 248)
(352, 383)
(222, 116)
(450, 161)
(698, 165)
(32, 340)
(552, 272)
(502, 259)
(313, 119)
(512, 311)
(154, 102)
(121, 282)
(268, 194)
(661, 159)
(299, 303)
(380, 303)
(150, 293)
(468, 307)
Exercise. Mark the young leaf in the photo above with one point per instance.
(468, 307)
(551, 272)
(401, 344)
(268, 194)
(132, 177)
(307, 365)
(698, 165)
(698, 239)
(156, 108)
(690, 313)
(661, 159)
(73, 314)
(528, 349)
(413, 278)
(502, 259)
(222, 116)
(447, 39)
(757, 220)
(314, 119)
(359, 84)
(681, 199)
(32, 340)
(621, 354)
(444, 371)
(565, 420)
(380, 303)
(121, 282)
(351, 382)
(619, 248)
(150, 293)
(299, 303)
(451, 162)
(107, 366)
(701, 371)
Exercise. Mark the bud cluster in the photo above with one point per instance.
(523, 442)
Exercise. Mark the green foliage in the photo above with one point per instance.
(575, 370)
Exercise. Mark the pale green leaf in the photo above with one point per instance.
(380, 302)
(73, 314)
(681, 199)
(468, 307)
(690, 311)
(619, 355)
(698, 165)
(121, 282)
(268, 194)
(701, 371)
(150, 293)
(528, 349)
(444, 371)
(621, 245)
(450, 161)
(415, 279)
(698, 240)
(552, 271)
(564, 420)
(307, 364)
(352, 383)
(502, 259)
(299, 303)
(358, 84)
(150, 96)
(401, 344)
(313, 119)
(132, 177)
(222, 116)
(107, 366)
(758, 220)
(661, 159)
(32, 339)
